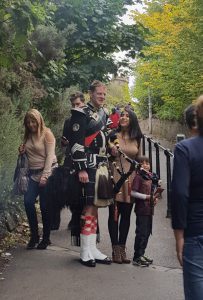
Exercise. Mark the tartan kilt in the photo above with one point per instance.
(98, 191)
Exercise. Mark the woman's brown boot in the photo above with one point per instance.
(116, 255)
(124, 258)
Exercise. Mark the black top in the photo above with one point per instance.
(187, 187)
(88, 132)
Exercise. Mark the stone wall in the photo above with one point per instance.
(11, 215)
(164, 131)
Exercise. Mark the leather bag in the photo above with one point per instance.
(21, 175)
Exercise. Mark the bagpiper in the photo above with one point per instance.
(88, 141)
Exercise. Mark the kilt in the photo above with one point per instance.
(88, 189)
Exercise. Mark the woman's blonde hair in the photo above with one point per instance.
(36, 115)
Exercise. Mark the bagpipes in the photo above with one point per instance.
(134, 166)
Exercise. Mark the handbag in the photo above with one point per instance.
(21, 176)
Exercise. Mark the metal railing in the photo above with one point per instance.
(169, 155)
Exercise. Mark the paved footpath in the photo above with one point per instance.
(56, 273)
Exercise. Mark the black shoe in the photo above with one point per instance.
(140, 261)
(43, 244)
(32, 243)
(105, 261)
(88, 263)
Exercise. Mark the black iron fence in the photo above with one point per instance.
(168, 155)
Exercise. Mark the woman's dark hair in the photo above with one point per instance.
(135, 132)
(199, 114)
(189, 114)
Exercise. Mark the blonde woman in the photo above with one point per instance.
(39, 146)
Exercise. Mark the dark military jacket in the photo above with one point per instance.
(88, 136)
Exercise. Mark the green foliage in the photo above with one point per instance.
(49, 42)
(171, 61)
(117, 93)
(18, 18)
(55, 111)
(49, 49)
(98, 34)
(10, 139)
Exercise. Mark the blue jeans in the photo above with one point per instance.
(193, 268)
(33, 191)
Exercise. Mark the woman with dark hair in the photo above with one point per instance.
(127, 138)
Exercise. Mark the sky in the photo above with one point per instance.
(127, 18)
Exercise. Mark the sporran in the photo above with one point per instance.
(103, 187)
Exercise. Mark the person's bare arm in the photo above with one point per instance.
(179, 237)
(50, 153)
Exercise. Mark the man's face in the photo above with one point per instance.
(77, 103)
(98, 96)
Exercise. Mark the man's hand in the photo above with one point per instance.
(83, 176)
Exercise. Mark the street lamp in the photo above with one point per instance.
(150, 110)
